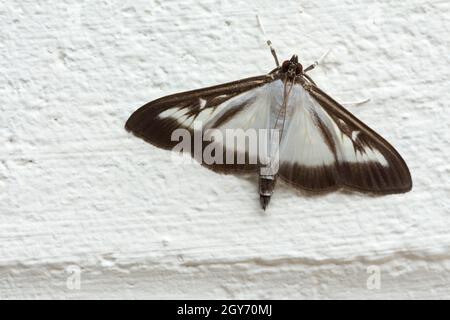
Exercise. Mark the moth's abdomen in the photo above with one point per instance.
(266, 186)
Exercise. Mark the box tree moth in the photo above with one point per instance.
(319, 145)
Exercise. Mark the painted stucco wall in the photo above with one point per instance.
(89, 211)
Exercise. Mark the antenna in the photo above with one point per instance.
(269, 43)
(318, 61)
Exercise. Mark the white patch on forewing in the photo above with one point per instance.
(179, 115)
(169, 113)
(355, 134)
(381, 159)
(202, 103)
(347, 152)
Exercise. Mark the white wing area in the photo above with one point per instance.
(232, 123)
(304, 142)
(253, 103)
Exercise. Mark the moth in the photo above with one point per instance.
(320, 146)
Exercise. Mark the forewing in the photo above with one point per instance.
(232, 105)
(307, 157)
(334, 149)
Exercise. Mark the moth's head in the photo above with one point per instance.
(292, 67)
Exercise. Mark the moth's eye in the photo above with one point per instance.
(285, 66)
(299, 69)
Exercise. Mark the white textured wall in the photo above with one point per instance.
(78, 191)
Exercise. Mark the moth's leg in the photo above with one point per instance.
(355, 103)
(317, 62)
(269, 43)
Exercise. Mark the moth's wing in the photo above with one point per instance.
(307, 160)
(237, 104)
(326, 147)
